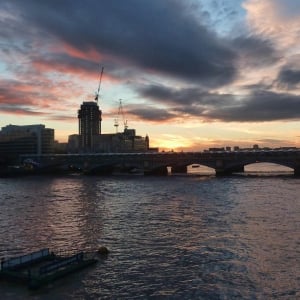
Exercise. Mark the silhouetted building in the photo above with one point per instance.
(73, 143)
(90, 119)
(90, 139)
(216, 149)
(60, 148)
(126, 141)
(120, 142)
(27, 139)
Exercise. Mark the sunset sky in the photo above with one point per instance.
(192, 74)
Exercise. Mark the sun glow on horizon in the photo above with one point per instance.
(169, 142)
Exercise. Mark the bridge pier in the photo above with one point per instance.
(221, 169)
(223, 172)
(225, 167)
(239, 169)
(179, 169)
(229, 171)
(161, 171)
(297, 171)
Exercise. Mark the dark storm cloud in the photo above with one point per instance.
(159, 35)
(259, 107)
(183, 96)
(163, 37)
(255, 51)
(160, 93)
(289, 77)
(150, 113)
(254, 107)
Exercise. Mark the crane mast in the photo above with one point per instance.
(98, 92)
(120, 114)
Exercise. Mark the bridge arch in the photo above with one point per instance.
(266, 167)
(250, 164)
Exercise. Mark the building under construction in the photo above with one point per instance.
(89, 116)
(91, 140)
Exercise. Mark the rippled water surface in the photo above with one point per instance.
(174, 237)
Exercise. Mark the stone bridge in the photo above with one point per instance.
(222, 162)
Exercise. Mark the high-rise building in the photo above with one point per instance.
(91, 140)
(90, 119)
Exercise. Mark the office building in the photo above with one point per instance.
(27, 139)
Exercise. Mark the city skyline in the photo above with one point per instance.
(191, 74)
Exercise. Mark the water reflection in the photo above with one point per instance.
(179, 237)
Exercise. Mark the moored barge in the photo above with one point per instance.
(41, 267)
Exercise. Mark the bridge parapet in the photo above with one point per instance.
(222, 162)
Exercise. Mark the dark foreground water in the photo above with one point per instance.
(175, 237)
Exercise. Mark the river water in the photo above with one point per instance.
(173, 237)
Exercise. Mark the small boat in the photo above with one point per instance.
(41, 267)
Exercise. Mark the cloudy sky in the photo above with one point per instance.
(191, 74)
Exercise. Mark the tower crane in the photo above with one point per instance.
(98, 92)
(120, 114)
(116, 124)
